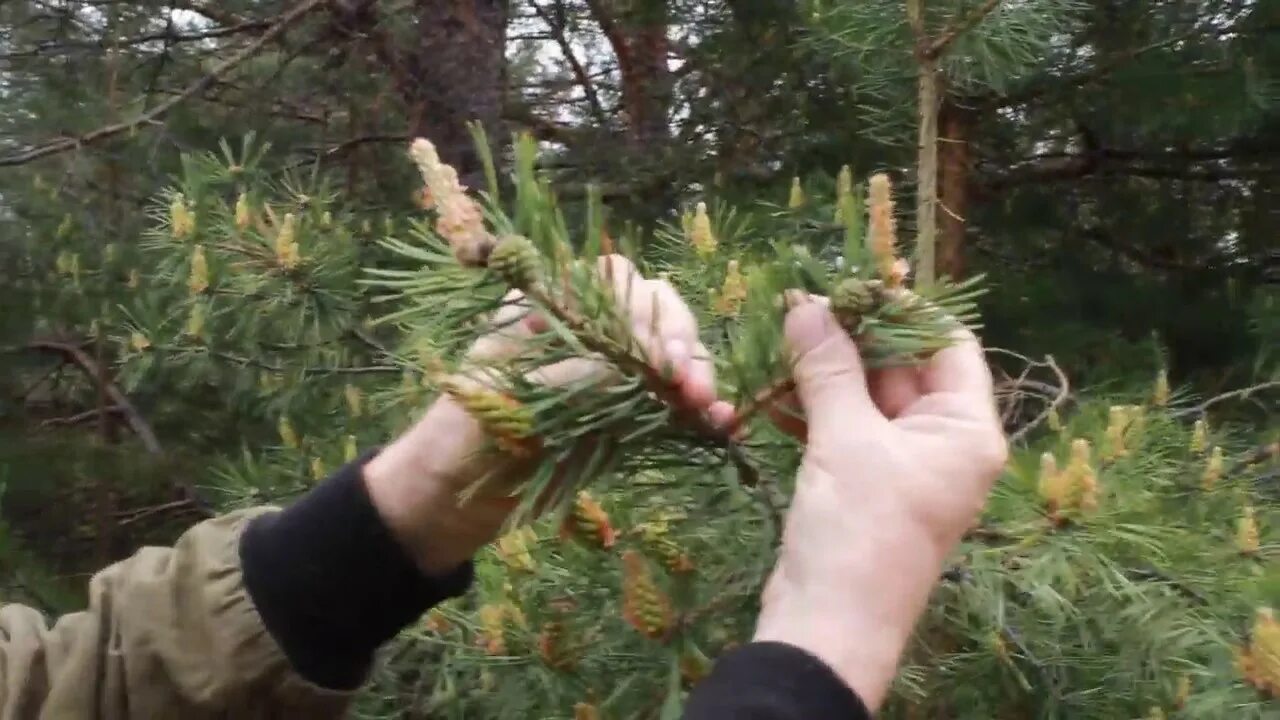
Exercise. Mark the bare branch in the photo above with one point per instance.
(965, 24)
(579, 71)
(90, 367)
(286, 21)
(1241, 394)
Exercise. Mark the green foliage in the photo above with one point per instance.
(1082, 613)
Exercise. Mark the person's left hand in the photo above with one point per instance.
(414, 482)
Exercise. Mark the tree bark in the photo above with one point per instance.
(954, 163)
(456, 75)
(927, 173)
(639, 40)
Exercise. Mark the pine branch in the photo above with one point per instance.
(107, 132)
(940, 44)
(90, 367)
(1242, 394)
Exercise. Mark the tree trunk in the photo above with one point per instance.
(953, 169)
(638, 37)
(457, 75)
(927, 173)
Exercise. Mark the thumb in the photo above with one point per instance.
(828, 371)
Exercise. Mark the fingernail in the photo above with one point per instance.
(677, 352)
(795, 298)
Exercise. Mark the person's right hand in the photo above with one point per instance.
(897, 466)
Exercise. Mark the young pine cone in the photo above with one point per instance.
(516, 261)
(853, 299)
(588, 522)
(645, 606)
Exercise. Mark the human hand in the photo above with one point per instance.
(414, 482)
(897, 466)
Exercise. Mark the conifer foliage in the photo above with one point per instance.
(1125, 566)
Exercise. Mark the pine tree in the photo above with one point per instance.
(1091, 591)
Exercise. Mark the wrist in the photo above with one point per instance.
(858, 613)
(414, 483)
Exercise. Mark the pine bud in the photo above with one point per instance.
(666, 550)
(1088, 487)
(436, 623)
(1247, 535)
(318, 471)
(513, 550)
(1054, 484)
(182, 222)
(1054, 420)
(1200, 436)
(1156, 713)
(355, 400)
(1183, 693)
(63, 263)
(504, 418)
(1212, 469)
(854, 299)
(516, 261)
(326, 219)
(701, 236)
(1160, 393)
(350, 449)
(139, 342)
(244, 216)
(287, 253)
(882, 236)
(65, 228)
(73, 267)
(134, 279)
(796, 200)
(588, 522)
(645, 606)
(844, 182)
(459, 220)
(586, 711)
(493, 624)
(1116, 423)
(733, 293)
(288, 436)
(195, 321)
(552, 648)
(1259, 661)
(198, 281)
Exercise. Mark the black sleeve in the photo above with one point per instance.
(773, 681)
(332, 584)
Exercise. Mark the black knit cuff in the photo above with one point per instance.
(332, 584)
(773, 681)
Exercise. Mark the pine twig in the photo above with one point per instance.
(1242, 393)
(287, 20)
(90, 367)
(965, 24)
(654, 379)
(761, 402)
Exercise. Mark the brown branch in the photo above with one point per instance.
(81, 417)
(285, 21)
(579, 72)
(964, 25)
(1062, 391)
(1242, 394)
(90, 367)
(761, 402)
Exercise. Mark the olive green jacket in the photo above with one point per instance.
(169, 633)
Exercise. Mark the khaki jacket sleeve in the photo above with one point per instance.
(169, 633)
